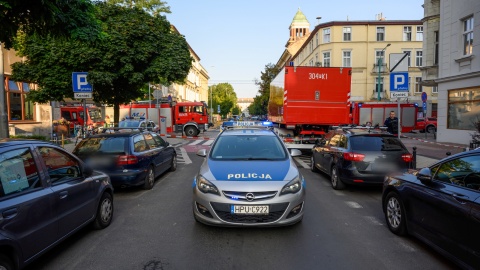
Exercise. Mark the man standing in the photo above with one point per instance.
(392, 123)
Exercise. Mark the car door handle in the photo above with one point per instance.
(460, 197)
(10, 213)
(63, 194)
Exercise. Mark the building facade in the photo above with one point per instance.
(365, 46)
(452, 65)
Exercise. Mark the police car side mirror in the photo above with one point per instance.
(295, 152)
(202, 152)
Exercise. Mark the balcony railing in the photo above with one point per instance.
(383, 68)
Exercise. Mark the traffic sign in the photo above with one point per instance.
(398, 94)
(82, 95)
(218, 109)
(79, 82)
(398, 62)
(399, 81)
(424, 97)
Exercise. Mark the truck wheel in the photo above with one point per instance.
(191, 131)
(431, 129)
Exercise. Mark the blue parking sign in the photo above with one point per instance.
(79, 82)
(399, 81)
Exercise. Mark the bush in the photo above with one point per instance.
(32, 137)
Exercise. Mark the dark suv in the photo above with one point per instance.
(360, 156)
(132, 158)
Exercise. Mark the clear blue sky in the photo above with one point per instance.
(236, 39)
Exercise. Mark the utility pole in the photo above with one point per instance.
(4, 133)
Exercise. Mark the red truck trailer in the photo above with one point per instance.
(306, 101)
(189, 118)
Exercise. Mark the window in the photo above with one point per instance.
(381, 33)
(18, 172)
(463, 108)
(152, 143)
(434, 89)
(468, 36)
(316, 59)
(347, 59)
(326, 35)
(326, 59)
(418, 58)
(380, 60)
(407, 33)
(418, 86)
(316, 40)
(463, 172)
(139, 144)
(376, 85)
(436, 48)
(419, 33)
(409, 63)
(18, 107)
(347, 33)
(61, 166)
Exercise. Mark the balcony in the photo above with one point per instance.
(383, 69)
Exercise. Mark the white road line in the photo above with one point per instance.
(209, 142)
(404, 244)
(373, 220)
(185, 156)
(353, 204)
(195, 142)
(303, 164)
(338, 193)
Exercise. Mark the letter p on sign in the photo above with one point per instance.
(81, 81)
(399, 81)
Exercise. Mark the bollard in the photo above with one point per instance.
(63, 143)
(414, 159)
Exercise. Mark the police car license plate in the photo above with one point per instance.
(250, 209)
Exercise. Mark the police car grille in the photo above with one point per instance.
(242, 196)
(223, 212)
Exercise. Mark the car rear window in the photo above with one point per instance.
(376, 143)
(105, 145)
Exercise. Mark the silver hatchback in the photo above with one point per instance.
(248, 178)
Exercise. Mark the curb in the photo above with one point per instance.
(425, 141)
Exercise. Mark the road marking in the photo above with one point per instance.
(303, 164)
(195, 142)
(185, 156)
(353, 204)
(373, 220)
(404, 244)
(338, 193)
(209, 142)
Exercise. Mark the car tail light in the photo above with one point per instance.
(127, 160)
(407, 157)
(353, 156)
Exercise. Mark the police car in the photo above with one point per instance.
(248, 178)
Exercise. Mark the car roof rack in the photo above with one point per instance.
(369, 129)
(123, 129)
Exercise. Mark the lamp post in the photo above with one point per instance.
(211, 104)
(380, 60)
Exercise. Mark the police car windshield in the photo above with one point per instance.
(127, 124)
(248, 147)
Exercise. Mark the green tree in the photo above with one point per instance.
(137, 48)
(68, 18)
(260, 102)
(154, 7)
(224, 95)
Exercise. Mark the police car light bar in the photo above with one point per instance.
(246, 124)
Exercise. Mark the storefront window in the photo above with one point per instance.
(463, 108)
(18, 107)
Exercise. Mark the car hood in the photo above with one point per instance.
(249, 170)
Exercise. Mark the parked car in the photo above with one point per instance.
(139, 123)
(248, 178)
(428, 124)
(439, 205)
(133, 158)
(46, 194)
(359, 156)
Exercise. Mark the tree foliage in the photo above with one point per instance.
(154, 7)
(260, 102)
(136, 48)
(67, 18)
(224, 95)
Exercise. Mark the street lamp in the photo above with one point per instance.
(380, 60)
(211, 104)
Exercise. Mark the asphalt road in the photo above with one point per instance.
(155, 230)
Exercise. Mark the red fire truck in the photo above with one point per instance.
(306, 101)
(375, 113)
(189, 118)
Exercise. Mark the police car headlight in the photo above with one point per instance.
(205, 186)
(293, 186)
